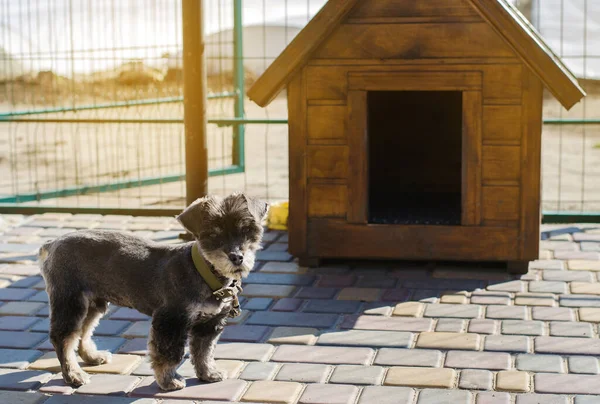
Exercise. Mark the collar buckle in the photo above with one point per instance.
(225, 293)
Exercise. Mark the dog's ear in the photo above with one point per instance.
(195, 215)
(258, 208)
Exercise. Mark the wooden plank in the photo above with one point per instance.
(328, 161)
(501, 203)
(296, 54)
(415, 20)
(335, 238)
(501, 163)
(410, 41)
(500, 223)
(297, 165)
(532, 49)
(412, 62)
(501, 83)
(327, 200)
(531, 166)
(471, 158)
(502, 123)
(415, 81)
(358, 201)
(326, 122)
(403, 8)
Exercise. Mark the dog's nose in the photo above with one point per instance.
(236, 258)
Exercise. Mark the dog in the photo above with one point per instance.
(87, 270)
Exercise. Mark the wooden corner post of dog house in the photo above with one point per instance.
(194, 101)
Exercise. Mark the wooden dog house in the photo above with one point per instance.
(415, 130)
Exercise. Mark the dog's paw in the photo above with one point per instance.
(98, 358)
(76, 378)
(176, 383)
(212, 375)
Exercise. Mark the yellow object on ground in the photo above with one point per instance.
(278, 216)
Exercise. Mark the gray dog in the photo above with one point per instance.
(86, 270)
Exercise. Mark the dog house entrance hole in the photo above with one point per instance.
(415, 149)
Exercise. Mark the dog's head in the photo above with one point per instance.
(229, 230)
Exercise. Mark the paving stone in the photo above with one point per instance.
(449, 340)
(554, 314)
(271, 291)
(506, 312)
(386, 395)
(112, 385)
(21, 269)
(585, 288)
(120, 364)
(336, 281)
(39, 296)
(452, 311)
(17, 323)
(21, 340)
(396, 295)
(548, 286)
(136, 346)
(540, 363)
(487, 297)
(409, 309)
(478, 360)
(376, 280)
(23, 380)
(367, 338)
(258, 303)
(510, 286)
(589, 256)
(584, 265)
(243, 351)
(332, 306)
(513, 381)
(548, 264)
(451, 325)
(111, 344)
(56, 385)
(445, 397)
(125, 313)
(20, 308)
(581, 236)
(571, 329)
(493, 397)
(541, 399)
(231, 367)
(18, 358)
(567, 276)
(144, 368)
(273, 256)
(323, 354)
(579, 301)
(535, 299)
(567, 384)
(227, 390)
(294, 335)
(590, 246)
(474, 379)
(377, 309)
(12, 294)
(279, 279)
(522, 327)
(387, 323)
(259, 371)
(353, 374)
(282, 267)
(454, 299)
(17, 397)
(44, 312)
(316, 293)
(591, 315)
(303, 373)
(420, 377)
(408, 357)
(239, 319)
(273, 392)
(293, 319)
(329, 394)
(507, 343)
(138, 329)
(560, 345)
(583, 365)
(244, 333)
(483, 326)
(360, 294)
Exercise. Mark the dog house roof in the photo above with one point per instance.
(506, 20)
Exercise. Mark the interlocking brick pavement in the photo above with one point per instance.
(345, 333)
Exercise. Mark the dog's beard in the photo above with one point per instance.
(225, 267)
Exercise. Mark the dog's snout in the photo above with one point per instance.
(236, 258)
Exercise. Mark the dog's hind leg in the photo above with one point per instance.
(87, 348)
(67, 313)
(166, 345)
(202, 346)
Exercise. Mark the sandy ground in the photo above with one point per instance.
(46, 156)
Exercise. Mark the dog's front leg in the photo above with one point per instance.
(166, 344)
(204, 337)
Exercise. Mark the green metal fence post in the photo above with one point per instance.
(238, 147)
(194, 100)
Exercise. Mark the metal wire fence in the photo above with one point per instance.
(91, 101)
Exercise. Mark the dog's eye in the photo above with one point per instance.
(213, 235)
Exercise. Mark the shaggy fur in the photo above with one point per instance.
(86, 270)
